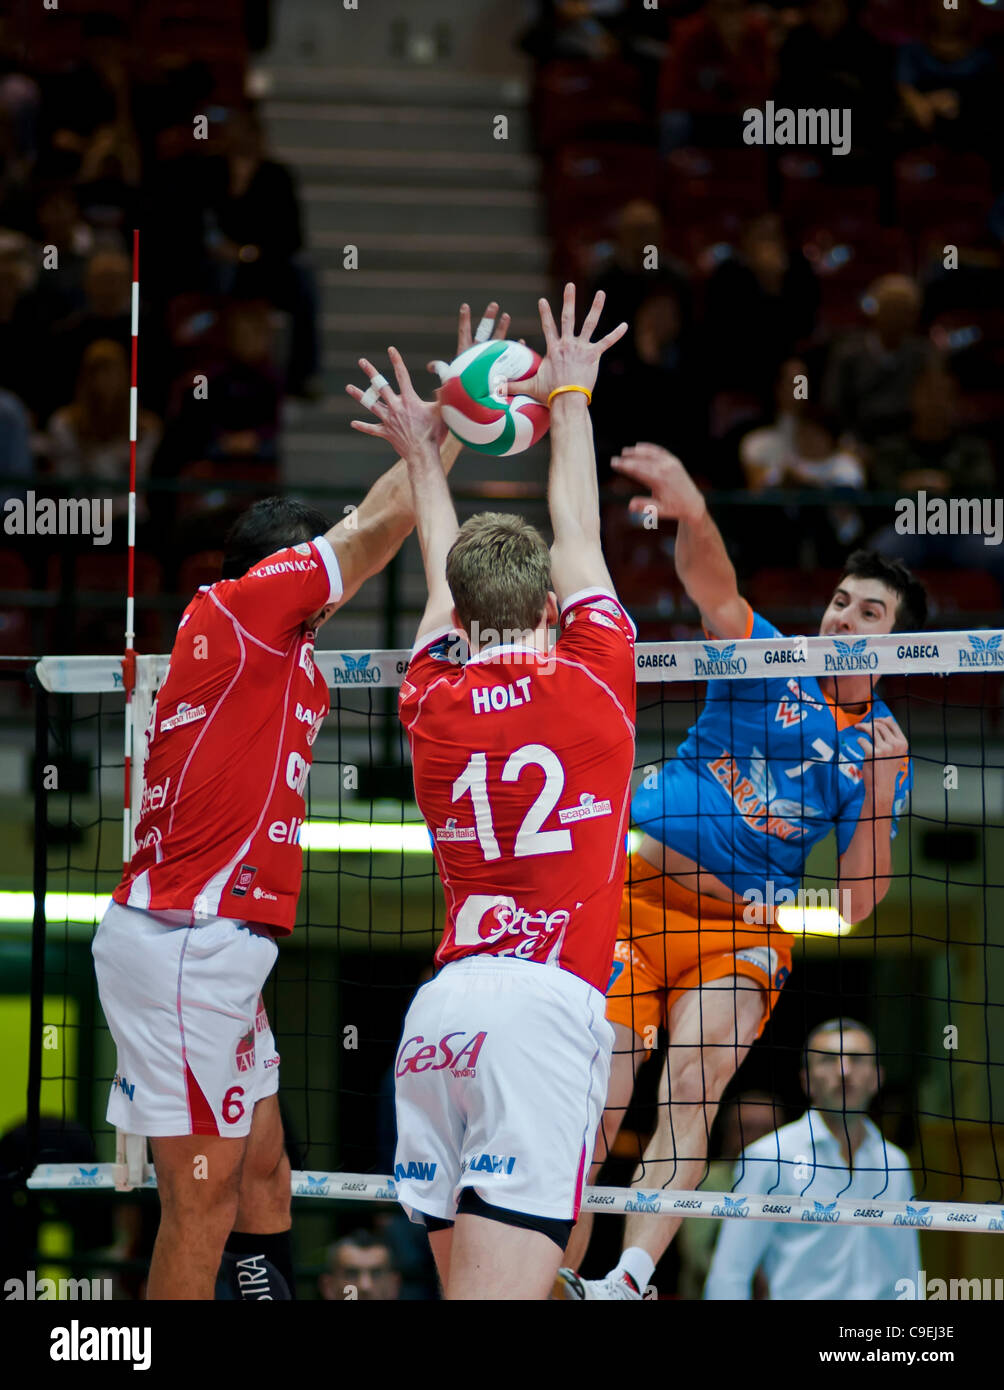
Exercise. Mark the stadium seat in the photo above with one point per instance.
(585, 176)
(933, 181)
(572, 98)
(15, 625)
(709, 184)
(807, 201)
(954, 594)
(96, 572)
(786, 589)
(847, 255)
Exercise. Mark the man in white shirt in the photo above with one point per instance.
(833, 1151)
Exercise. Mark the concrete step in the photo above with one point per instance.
(330, 453)
(470, 212)
(391, 86)
(434, 251)
(334, 124)
(491, 168)
(384, 293)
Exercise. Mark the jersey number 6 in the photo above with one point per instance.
(530, 839)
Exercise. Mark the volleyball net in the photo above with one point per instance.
(925, 972)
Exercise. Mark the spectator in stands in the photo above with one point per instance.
(16, 463)
(360, 1266)
(831, 61)
(89, 438)
(20, 96)
(573, 29)
(934, 456)
(760, 303)
(59, 290)
(652, 391)
(741, 1120)
(719, 64)
(15, 206)
(799, 451)
(254, 234)
(109, 180)
(107, 313)
(95, 91)
(18, 331)
(639, 265)
(871, 373)
(238, 415)
(833, 1151)
(948, 82)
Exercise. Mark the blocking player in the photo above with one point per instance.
(522, 763)
(190, 937)
(770, 768)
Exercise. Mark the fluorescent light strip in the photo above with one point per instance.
(811, 921)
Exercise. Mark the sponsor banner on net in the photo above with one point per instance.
(943, 1216)
(779, 657)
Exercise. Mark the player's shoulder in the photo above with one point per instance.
(601, 609)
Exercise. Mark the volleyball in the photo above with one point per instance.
(478, 412)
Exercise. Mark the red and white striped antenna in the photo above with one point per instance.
(129, 658)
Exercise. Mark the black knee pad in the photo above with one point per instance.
(472, 1204)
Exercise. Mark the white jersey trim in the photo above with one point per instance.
(431, 638)
(327, 553)
(582, 594)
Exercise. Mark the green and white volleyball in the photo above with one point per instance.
(478, 411)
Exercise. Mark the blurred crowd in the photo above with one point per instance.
(103, 135)
(802, 318)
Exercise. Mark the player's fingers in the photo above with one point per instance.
(502, 327)
(568, 311)
(438, 368)
(612, 337)
(364, 427)
(379, 387)
(366, 398)
(593, 317)
(464, 338)
(486, 324)
(401, 372)
(547, 325)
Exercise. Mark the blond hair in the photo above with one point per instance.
(499, 573)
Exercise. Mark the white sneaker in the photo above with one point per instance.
(568, 1285)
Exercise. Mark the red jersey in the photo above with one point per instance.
(522, 765)
(229, 747)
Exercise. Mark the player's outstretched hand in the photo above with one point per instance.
(492, 325)
(406, 422)
(572, 360)
(674, 493)
(883, 756)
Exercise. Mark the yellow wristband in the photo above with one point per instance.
(558, 390)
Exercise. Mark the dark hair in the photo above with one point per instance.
(360, 1239)
(267, 526)
(911, 610)
(836, 1025)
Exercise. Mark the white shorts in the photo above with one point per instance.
(500, 1081)
(195, 1050)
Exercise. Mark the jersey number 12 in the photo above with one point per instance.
(530, 839)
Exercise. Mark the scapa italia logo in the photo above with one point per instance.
(850, 656)
(986, 651)
(720, 662)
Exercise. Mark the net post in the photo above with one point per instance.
(38, 925)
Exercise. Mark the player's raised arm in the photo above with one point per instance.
(415, 428)
(564, 382)
(366, 539)
(702, 561)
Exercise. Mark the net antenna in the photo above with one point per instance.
(132, 1167)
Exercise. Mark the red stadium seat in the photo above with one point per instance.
(780, 589)
(95, 572)
(847, 258)
(584, 177)
(702, 185)
(15, 623)
(933, 182)
(954, 594)
(807, 201)
(573, 97)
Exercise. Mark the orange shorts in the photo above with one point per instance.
(670, 940)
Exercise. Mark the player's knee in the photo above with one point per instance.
(699, 1079)
(208, 1187)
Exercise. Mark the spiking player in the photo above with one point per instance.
(522, 764)
(770, 768)
(186, 945)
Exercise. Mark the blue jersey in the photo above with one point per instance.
(770, 767)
